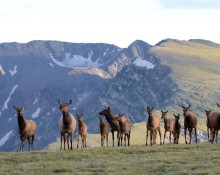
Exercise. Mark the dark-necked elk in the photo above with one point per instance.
(27, 129)
(125, 129)
(176, 129)
(104, 129)
(112, 120)
(153, 124)
(82, 131)
(190, 123)
(67, 124)
(208, 114)
(168, 124)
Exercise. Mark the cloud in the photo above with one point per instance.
(191, 4)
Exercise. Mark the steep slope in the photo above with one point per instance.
(195, 69)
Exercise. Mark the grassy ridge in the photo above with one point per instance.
(159, 159)
(195, 69)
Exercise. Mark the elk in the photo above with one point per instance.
(27, 129)
(168, 124)
(82, 131)
(190, 123)
(104, 128)
(112, 120)
(176, 129)
(125, 129)
(67, 124)
(153, 124)
(208, 114)
(214, 123)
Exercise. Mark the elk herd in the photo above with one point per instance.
(122, 126)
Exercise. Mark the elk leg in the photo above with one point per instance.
(151, 137)
(146, 136)
(185, 134)
(22, 144)
(170, 136)
(196, 134)
(85, 140)
(32, 143)
(159, 135)
(64, 141)
(61, 139)
(125, 135)
(71, 141)
(216, 139)
(113, 138)
(129, 136)
(82, 139)
(164, 136)
(208, 133)
(190, 135)
(67, 140)
(78, 141)
(107, 139)
(29, 143)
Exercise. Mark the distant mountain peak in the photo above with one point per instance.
(205, 42)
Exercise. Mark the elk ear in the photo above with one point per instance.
(218, 104)
(22, 108)
(183, 106)
(148, 107)
(15, 108)
(167, 111)
(206, 110)
(108, 108)
(59, 102)
(189, 106)
(152, 108)
(70, 102)
(161, 111)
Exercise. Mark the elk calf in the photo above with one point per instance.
(190, 123)
(125, 129)
(153, 124)
(104, 129)
(82, 131)
(176, 130)
(27, 129)
(168, 124)
(208, 114)
(67, 124)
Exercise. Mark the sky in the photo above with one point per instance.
(118, 22)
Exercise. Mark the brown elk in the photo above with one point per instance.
(153, 124)
(208, 114)
(168, 124)
(125, 129)
(214, 123)
(112, 120)
(104, 129)
(27, 129)
(82, 131)
(190, 123)
(67, 124)
(176, 130)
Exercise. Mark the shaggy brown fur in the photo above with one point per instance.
(82, 131)
(27, 129)
(190, 123)
(104, 129)
(168, 124)
(153, 124)
(112, 121)
(125, 129)
(67, 124)
(208, 114)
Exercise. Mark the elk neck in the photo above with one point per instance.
(21, 122)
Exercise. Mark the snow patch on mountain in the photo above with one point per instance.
(51, 64)
(5, 106)
(14, 71)
(5, 138)
(143, 63)
(70, 61)
(36, 113)
(1, 70)
(36, 100)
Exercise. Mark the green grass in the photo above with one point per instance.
(158, 159)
